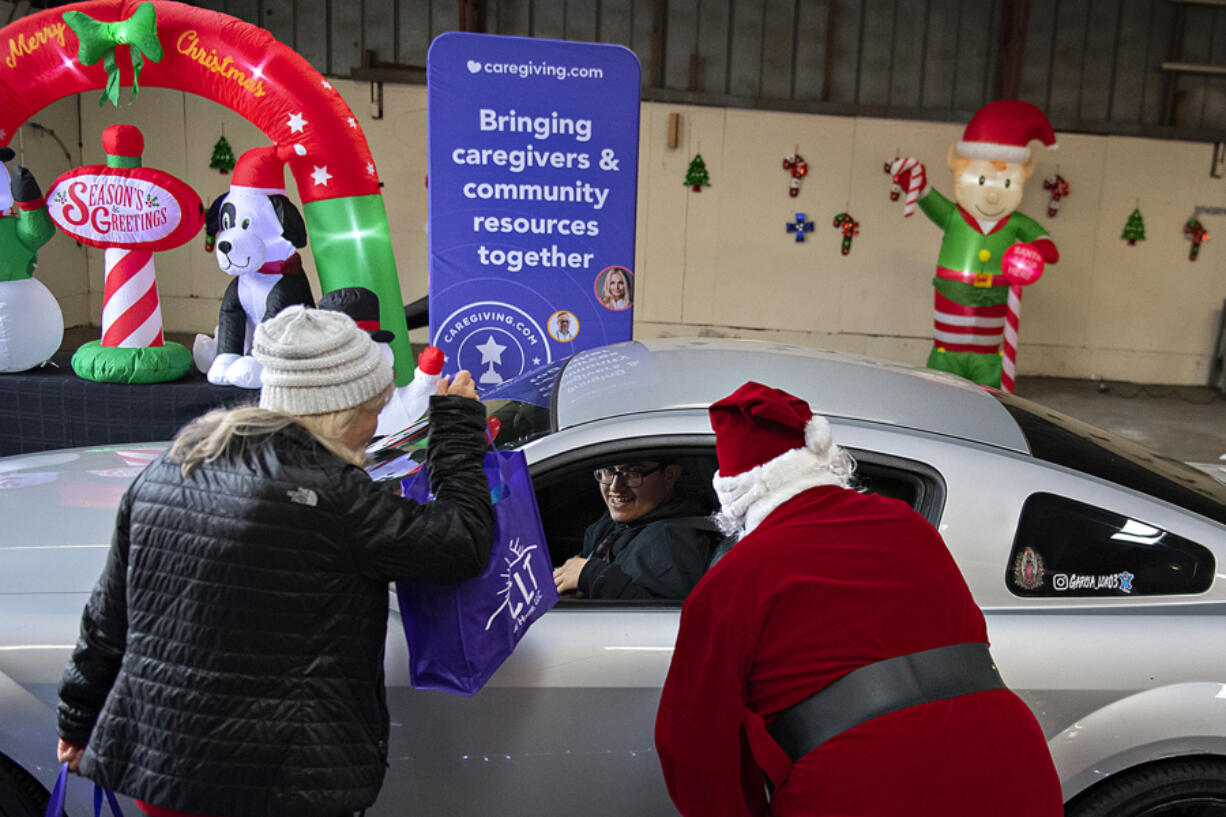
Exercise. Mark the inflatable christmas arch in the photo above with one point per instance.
(244, 68)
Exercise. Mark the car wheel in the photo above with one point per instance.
(1178, 788)
(20, 794)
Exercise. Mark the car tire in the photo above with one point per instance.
(20, 794)
(1175, 788)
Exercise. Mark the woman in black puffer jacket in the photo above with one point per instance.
(230, 660)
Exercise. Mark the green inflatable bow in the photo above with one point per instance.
(98, 41)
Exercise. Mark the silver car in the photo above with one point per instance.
(1095, 561)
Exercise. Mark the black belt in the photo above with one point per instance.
(878, 689)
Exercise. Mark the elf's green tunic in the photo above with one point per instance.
(970, 312)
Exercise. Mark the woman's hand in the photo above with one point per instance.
(461, 385)
(65, 752)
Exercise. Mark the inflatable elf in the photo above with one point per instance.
(973, 307)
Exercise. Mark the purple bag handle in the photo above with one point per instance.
(500, 491)
(55, 805)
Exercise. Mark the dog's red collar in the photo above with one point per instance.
(290, 266)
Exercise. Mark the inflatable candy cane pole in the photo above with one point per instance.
(909, 172)
(131, 313)
(1021, 265)
(131, 212)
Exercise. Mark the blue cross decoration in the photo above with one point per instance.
(800, 226)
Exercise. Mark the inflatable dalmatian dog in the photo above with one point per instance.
(256, 232)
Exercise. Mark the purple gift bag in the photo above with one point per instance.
(460, 635)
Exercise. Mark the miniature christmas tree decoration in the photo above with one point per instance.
(696, 176)
(1134, 230)
(223, 156)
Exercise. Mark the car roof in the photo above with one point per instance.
(690, 373)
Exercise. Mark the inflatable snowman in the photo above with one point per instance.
(409, 402)
(31, 324)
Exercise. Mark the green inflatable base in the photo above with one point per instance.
(117, 364)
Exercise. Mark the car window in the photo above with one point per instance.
(512, 423)
(1071, 443)
(570, 500)
(914, 483)
(1064, 548)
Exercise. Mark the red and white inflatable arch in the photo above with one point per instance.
(244, 68)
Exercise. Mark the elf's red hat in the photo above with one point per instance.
(1002, 130)
(262, 170)
(756, 423)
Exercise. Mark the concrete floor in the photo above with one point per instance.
(1184, 422)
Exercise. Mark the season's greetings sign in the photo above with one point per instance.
(533, 169)
(134, 208)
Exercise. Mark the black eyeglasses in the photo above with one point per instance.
(631, 477)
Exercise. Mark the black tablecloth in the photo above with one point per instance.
(51, 407)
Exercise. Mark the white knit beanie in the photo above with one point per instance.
(317, 361)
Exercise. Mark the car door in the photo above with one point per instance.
(566, 725)
(1116, 644)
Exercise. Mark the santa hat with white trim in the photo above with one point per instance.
(1003, 129)
(261, 170)
(771, 447)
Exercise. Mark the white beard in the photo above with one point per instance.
(749, 497)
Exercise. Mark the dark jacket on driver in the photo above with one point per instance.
(230, 660)
(660, 555)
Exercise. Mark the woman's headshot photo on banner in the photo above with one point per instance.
(615, 288)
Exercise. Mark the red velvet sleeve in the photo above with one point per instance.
(706, 760)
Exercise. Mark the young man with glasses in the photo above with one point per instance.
(652, 542)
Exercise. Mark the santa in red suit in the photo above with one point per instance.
(834, 662)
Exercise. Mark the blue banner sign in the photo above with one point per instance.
(533, 170)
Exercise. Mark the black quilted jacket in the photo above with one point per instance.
(230, 660)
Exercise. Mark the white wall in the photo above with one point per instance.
(720, 262)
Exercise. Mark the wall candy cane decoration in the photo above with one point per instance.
(798, 168)
(1058, 188)
(131, 212)
(850, 228)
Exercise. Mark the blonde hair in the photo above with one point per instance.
(222, 431)
(606, 293)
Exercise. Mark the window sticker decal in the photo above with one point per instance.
(1028, 569)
